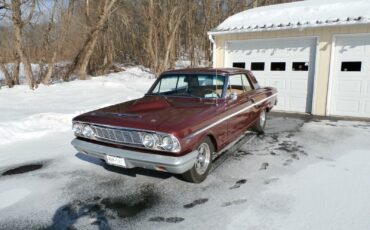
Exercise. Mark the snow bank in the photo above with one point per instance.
(27, 114)
(34, 126)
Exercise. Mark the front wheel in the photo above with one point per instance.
(260, 124)
(199, 171)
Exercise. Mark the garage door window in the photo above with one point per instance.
(277, 66)
(351, 66)
(300, 66)
(258, 66)
(239, 65)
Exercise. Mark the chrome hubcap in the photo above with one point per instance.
(263, 118)
(203, 159)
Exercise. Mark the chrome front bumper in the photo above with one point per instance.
(134, 159)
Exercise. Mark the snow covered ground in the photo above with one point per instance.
(303, 173)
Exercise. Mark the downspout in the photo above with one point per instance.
(211, 38)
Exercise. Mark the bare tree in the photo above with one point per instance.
(8, 78)
(93, 35)
(162, 22)
(81, 60)
(66, 20)
(18, 24)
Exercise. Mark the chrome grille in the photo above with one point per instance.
(120, 136)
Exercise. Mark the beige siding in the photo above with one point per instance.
(325, 39)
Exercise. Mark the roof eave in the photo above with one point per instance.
(287, 28)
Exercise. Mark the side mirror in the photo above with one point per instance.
(233, 96)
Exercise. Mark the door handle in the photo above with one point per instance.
(254, 102)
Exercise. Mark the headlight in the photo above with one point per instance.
(149, 140)
(160, 141)
(167, 143)
(87, 131)
(77, 128)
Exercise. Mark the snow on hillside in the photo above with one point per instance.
(27, 114)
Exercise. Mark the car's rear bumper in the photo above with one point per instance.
(134, 159)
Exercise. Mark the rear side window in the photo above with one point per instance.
(246, 85)
(236, 84)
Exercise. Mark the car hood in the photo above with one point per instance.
(157, 113)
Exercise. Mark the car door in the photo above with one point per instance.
(237, 102)
(252, 97)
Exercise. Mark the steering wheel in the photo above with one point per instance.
(211, 91)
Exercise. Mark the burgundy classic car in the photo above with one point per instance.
(187, 117)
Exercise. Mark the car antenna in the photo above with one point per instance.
(216, 88)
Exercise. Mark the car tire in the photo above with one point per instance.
(203, 164)
(260, 124)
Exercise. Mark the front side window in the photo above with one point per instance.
(192, 85)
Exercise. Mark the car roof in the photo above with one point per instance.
(219, 71)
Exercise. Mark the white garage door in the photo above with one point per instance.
(350, 87)
(287, 64)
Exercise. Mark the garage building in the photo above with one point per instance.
(315, 52)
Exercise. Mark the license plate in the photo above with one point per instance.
(118, 161)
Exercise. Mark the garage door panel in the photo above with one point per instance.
(278, 83)
(298, 102)
(298, 85)
(349, 87)
(347, 106)
(285, 52)
(262, 82)
(281, 103)
(349, 50)
(367, 107)
(367, 87)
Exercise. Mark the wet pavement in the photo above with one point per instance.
(97, 196)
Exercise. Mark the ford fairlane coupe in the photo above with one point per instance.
(181, 125)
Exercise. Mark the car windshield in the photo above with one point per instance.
(194, 85)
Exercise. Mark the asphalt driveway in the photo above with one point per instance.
(303, 173)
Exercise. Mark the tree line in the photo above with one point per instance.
(66, 38)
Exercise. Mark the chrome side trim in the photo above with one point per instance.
(229, 116)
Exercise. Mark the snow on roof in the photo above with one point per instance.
(303, 14)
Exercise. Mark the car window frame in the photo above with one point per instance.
(244, 91)
(224, 87)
